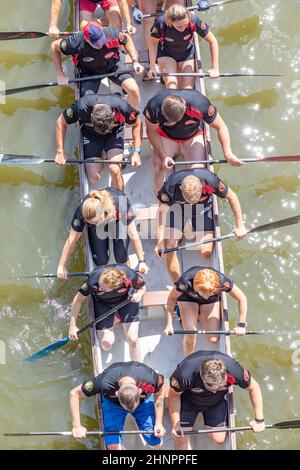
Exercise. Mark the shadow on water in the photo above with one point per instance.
(240, 33)
(63, 99)
(289, 184)
(9, 59)
(265, 99)
(17, 175)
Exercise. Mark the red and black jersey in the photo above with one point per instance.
(198, 110)
(185, 285)
(91, 285)
(178, 43)
(82, 109)
(186, 378)
(124, 210)
(94, 61)
(170, 193)
(107, 383)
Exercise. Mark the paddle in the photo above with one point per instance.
(11, 35)
(261, 228)
(9, 159)
(42, 276)
(195, 7)
(62, 342)
(12, 91)
(221, 75)
(266, 159)
(232, 332)
(293, 424)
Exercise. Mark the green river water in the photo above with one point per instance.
(263, 117)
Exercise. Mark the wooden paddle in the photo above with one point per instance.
(11, 35)
(293, 424)
(232, 332)
(262, 159)
(9, 159)
(261, 228)
(221, 75)
(195, 7)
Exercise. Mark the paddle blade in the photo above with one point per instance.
(7, 159)
(8, 36)
(277, 224)
(287, 424)
(283, 158)
(44, 352)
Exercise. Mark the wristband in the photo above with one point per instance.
(137, 149)
(242, 324)
(259, 421)
(141, 261)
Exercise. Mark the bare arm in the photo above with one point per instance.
(159, 399)
(131, 49)
(224, 138)
(234, 202)
(154, 139)
(214, 54)
(68, 249)
(174, 294)
(257, 404)
(138, 247)
(76, 396)
(137, 134)
(174, 410)
(60, 135)
(56, 57)
(161, 216)
(124, 7)
(55, 10)
(153, 45)
(75, 310)
(241, 299)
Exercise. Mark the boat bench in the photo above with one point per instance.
(157, 298)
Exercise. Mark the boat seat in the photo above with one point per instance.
(146, 213)
(155, 298)
(146, 221)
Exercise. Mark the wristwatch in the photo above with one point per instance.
(242, 324)
(137, 149)
(141, 261)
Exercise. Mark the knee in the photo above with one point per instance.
(190, 339)
(106, 345)
(94, 179)
(115, 169)
(115, 447)
(133, 340)
(206, 251)
(218, 438)
(213, 339)
(121, 257)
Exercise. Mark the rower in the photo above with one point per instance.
(96, 51)
(172, 46)
(200, 384)
(198, 294)
(124, 387)
(186, 208)
(102, 119)
(108, 286)
(175, 124)
(108, 214)
(114, 9)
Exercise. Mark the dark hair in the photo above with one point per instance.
(103, 118)
(173, 108)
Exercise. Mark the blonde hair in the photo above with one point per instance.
(176, 13)
(113, 278)
(213, 373)
(99, 203)
(129, 396)
(191, 188)
(206, 280)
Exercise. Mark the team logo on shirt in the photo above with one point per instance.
(84, 287)
(63, 45)
(89, 385)
(182, 287)
(132, 116)
(246, 375)
(76, 223)
(226, 286)
(174, 383)
(221, 187)
(88, 59)
(203, 26)
(211, 110)
(69, 112)
(164, 197)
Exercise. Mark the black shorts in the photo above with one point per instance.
(92, 86)
(127, 314)
(187, 298)
(214, 416)
(189, 54)
(199, 215)
(93, 147)
(115, 231)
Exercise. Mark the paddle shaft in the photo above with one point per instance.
(195, 7)
(44, 276)
(232, 332)
(266, 159)
(221, 75)
(261, 228)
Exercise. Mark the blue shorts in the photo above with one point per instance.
(114, 416)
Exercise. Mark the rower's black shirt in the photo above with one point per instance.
(124, 211)
(91, 285)
(198, 110)
(90, 60)
(179, 41)
(82, 109)
(185, 285)
(107, 383)
(186, 378)
(170, 193)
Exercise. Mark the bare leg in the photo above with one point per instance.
(131, 331)
(183, 443)
(147, 6)
(187, 67)
(106, 338)
(114, 17)
(130, 86)
(168, 65)
(115, 170)
(189, 315)
(194, 150)
(216, 437)
(86, 16)
(171, 238)
(94, 171)
(170, 148)
(210, 319)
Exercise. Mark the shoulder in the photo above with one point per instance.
(71, 43)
